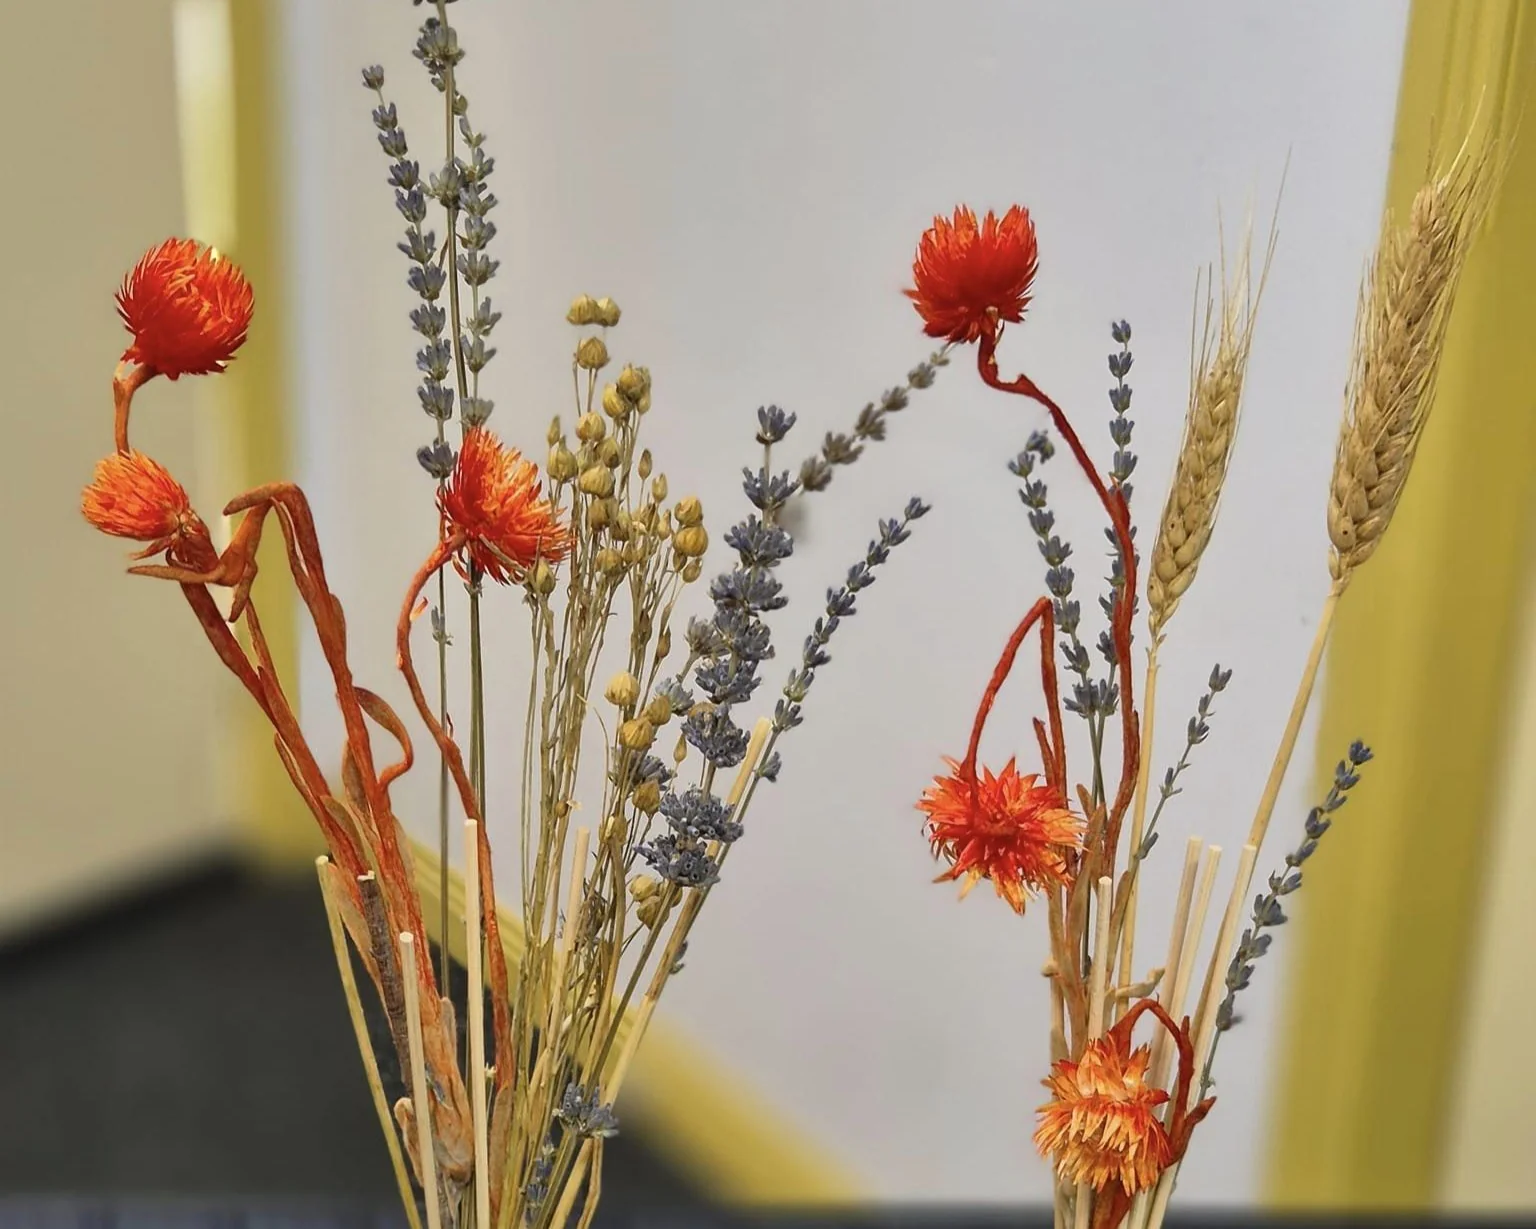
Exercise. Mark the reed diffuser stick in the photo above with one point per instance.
(1138, 827)
(1098, 993)
(1221, 955)
(1176, 989)
(475, 1006)
(420, 1100)
(1182, 905)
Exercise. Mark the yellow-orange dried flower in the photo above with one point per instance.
(133, 496)
(493, 497)
(967, 270)
(1012, 829)
(1101, 1124)
(187, 307)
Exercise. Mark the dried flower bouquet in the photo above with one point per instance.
(511, 1132)
(1120, 1115)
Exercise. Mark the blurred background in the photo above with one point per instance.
(749, 182)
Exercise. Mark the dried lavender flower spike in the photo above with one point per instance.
(840, 449)
(1267, 911)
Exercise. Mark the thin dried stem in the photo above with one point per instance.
(1292, 731)
(364, 1042)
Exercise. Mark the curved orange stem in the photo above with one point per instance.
(1055, 765)
(126, 381)
(1115, 507)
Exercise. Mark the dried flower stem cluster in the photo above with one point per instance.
(1120, 1116)
(508, 1130)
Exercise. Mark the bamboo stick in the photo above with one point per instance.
(475, 1005)
(421, 1104)
(1138, 825)
(1182, 905)
(1204, 1023)
(1160, 1197)
(1175, 994)
(1098, 991)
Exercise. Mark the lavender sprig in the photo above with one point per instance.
(426, 277)
(1086, 697)
(840, 449)
(1122, 465)
(728, 647)
(1195, 733)
(582, 1112)
(841, 604)
(1267, 911)
(735, 642)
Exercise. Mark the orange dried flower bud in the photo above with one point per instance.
(493, 498)
(187, 307)
(133, 496)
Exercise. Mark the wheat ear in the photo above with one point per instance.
(1400, 328)
(1210, 425)
(1218, 367)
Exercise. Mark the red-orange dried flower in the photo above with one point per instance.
(187, 307)
(132, 496)
(965, 271)
(1100, 1125)
(493, 498)
(1012, 829)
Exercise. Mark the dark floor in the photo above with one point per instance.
(185, 1061)
(194, 1041)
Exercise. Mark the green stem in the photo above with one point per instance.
(442, 779)
(476, 696)
(450, 96)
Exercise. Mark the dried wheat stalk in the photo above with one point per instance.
(1405, 308)
(1210, 426)
(1218, 370)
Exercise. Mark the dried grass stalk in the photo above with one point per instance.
(1210, 425)
(1400, 329)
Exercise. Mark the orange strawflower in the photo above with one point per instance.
(492, 497)
(965, 272)
(187, 307)
(132, 496)
(1101, 1125)
(1014, 830)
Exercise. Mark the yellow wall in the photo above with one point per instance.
(1493, 1117)
(103, 726)
(1378, 1007)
